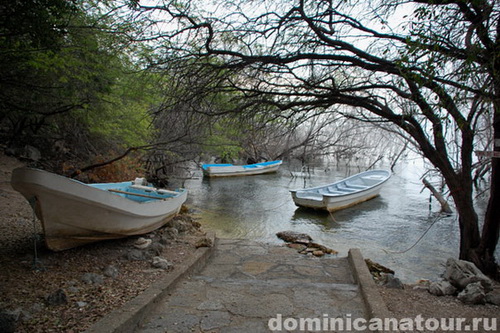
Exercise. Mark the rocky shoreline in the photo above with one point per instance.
(464, 292)
(68, 291)
(42, 291)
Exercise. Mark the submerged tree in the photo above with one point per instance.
(433, 72)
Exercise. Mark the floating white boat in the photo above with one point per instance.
(226, 170)
(344, 193)
(74, 213)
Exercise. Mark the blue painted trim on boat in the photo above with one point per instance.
(126, 187)
(247, 166)
(107, 186)
(205, 166)
(256, 165)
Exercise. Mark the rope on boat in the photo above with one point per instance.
(418, 240)
(331, 216)
(279, 206)
(37, 264)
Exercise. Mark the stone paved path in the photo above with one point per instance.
(253, 287)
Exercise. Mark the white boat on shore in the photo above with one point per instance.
(343, 193)
(74, 213)
(227, 170)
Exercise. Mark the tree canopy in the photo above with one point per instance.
(180, 79)
(426, 70)
(67, 82)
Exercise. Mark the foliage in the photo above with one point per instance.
(125, 117)
(224, 142)
(428, 74)
(235, 79)
(66, 82)
(126, 168)
(34, 24)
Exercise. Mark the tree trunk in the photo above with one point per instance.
(469, 228)
(445, 207)
(473, 248)
(491, 228)
(486, 250)
(470, 240)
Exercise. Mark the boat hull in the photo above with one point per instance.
(74, 214)
(332, 204)
(229, 170)
(342, 194)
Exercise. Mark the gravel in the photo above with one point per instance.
(45, 291)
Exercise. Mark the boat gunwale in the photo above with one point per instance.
(87, 192)
(371, 188)
(253, 166)
(62, 205)
(344, 180)
(230, 170)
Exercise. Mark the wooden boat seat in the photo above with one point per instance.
(329, 191)
(152, 189)
(357, 187)
(343, 187)
(371, 180)
(310, 195)
(347, 190)
(136, 194)
(335, 193)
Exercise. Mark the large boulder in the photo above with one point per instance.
(376, 269)
(473, 294)
(294, 237)
(390, 281)
(442, 288)
(493, 298)
(461, 273)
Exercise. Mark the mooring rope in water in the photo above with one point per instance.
(37, 265)
(418, 240)
(333, 218)
(275, 208)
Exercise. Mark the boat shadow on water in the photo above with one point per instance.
(334, 220)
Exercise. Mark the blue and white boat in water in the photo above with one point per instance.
(227, 170)
(343, 193)
(74, 213)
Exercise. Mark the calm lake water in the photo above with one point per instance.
(385, 228)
